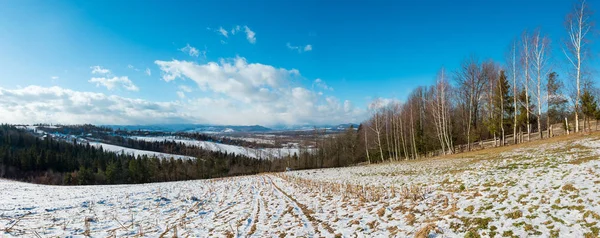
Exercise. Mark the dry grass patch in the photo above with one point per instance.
(514, 214)
(470, 209)
(381, 212)
(569, 188)
(584, 159)
(424, 232)
(410, 219)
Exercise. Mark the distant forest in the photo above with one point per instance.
(26, 157)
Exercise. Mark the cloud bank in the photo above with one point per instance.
(230, 91)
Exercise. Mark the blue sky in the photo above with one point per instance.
(282, 62)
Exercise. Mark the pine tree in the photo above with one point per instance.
(557, 102)
(589, 107)
(522, 118)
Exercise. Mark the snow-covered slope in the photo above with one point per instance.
(239, 150)
(136, 152)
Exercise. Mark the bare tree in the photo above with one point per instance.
(402, 133)
(489, 74)
(438, 104)
(366, 144)
(376, 125)
(525, 59)
(500, 95)
(470, 81)
(386, 111)
(540, 46)
(412, 132)
(396, 140)
(578, 24)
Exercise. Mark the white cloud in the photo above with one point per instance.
(185, 88)
(291, 47)
(193, 51)
(35, 104)
(300, 49)
(112, 83)
(234, 92)
(235, 30)
(54, 77)
(378, 103)
(99, 70)
(223, 32)
(132, 67)
(148, 72)
(319, 83)
(347, 106)
(235, 77)
(250, 35)
(254, 93)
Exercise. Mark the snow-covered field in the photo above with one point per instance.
(136, 152)
(547, 190)
(239, 150)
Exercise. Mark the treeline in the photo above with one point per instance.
(327, 151)
(484, 100)
(26, 157)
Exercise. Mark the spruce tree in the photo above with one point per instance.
(588, 107)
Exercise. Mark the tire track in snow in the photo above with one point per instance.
(218, 220)
(278, 209)
(250, 218)
(307, 220)
(260, 220)
(275, 207)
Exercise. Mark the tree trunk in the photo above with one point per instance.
(515, 91)
(367, 146)
(412, 129)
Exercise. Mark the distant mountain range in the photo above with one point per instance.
(228, 129)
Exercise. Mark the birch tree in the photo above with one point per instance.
(438, 108)
(578, 24)
(540, 46)
(513, 68)
(525, 59)
(377, 124)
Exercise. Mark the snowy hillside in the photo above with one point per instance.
(545, 190)
(239, 150)
(135, 152)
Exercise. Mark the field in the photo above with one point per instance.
(546, 188)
